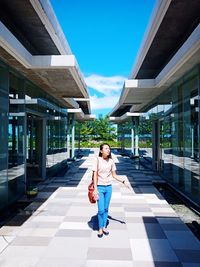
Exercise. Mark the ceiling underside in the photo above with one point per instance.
(180, 20)
(59, 83)
(24, 23)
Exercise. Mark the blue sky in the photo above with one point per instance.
(105, 37)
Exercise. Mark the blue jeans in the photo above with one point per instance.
(105, 192)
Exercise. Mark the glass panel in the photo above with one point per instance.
(124, 136)
(190, 136)
(165, 110)
(166, 147)
(179, 135)
(16, 174)
(32, 162)
(145, 135)
(127, 136)
(46, 132)
(120, 135)
(4, 104)
(56, 136)
(16, 145)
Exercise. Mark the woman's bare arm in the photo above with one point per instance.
(122, 180)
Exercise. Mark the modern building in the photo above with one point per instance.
(42, 93)
(160, 102)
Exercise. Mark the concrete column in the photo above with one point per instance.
(68, 136)
(44, 148)
(73, 136)
(198, 153)
(25, 151)
(79, 138)
(132, 140)
(156, 145)
(132, 137)
(136, 137)
(41, 147)
(192, 144)
(123, 139)
(31, 141)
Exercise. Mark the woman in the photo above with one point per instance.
(104, 169)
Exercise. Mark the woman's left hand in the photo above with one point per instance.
(127, 185)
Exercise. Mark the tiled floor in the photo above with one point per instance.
(60, 227)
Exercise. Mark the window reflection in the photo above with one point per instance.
(4, 104)
(177, 113)
(57, 143)
(32, 134)
(16, 138)
(179, 136)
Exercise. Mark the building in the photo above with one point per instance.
(42, 93)
(159, 104)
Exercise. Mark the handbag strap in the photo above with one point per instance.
(97, 170)
(97, 164)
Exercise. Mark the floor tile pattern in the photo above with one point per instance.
(59, 228)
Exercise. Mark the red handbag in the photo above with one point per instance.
(91, 192)
(91, 196)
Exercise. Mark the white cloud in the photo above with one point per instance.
(103, 102)
(105, 85)
(110, 87)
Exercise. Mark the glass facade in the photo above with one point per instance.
(145, 134)
(16, 138)
(144, 131)
(56, 139)
(124, 135)
(4, 108)
(176, 115)
(33, 130)
(179, 135)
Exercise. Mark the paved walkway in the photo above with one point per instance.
(60, 227)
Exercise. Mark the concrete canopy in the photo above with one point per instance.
(124, 117)
(80, 116)
(35, 25)
(143, 93)
(171, 24)
(37, 48)
(170, 48)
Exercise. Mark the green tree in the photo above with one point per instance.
(105, 130)
(86, 131)
(99, 130)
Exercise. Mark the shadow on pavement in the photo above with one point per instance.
(19, 212)
(93, 223)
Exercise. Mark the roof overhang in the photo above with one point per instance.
(48, 107)
(35, 25)
(142, 93)
(119, 110)
(125, 117)
(71, 103)
(171, 23)
(58, 75)
(80, 116)
(84, 103)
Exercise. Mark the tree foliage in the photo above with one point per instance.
(145, 126)
(99, 130)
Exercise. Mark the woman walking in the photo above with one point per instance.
(104, 170)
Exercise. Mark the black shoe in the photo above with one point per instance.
(106, 233)
(100, 235)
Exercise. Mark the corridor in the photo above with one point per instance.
(59, 228)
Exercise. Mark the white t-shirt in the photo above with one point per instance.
(104, 172)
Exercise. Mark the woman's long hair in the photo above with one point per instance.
(101, 147)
